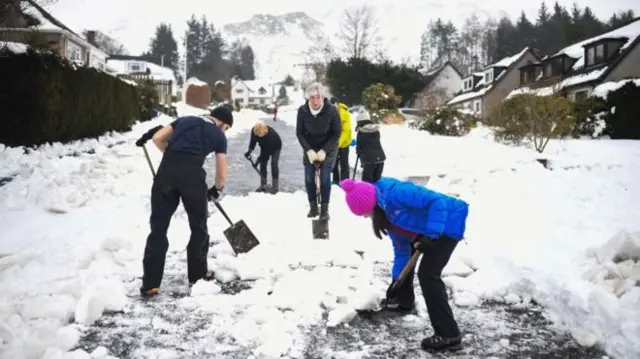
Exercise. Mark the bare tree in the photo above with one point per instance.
(358, 31)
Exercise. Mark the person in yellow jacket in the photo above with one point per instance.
(341, 168)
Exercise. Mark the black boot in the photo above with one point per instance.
(313, 210)
(263, 184)
(275, 186)
(324, 212)
(438, 343)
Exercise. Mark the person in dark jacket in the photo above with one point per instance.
(368, 148)
(270, 147)
(318, 130)
(415, 219)
(185, 144)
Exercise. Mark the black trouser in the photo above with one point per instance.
(341, 168)
(275, 171)
(371, 172)
(433, 288)
(179, 177)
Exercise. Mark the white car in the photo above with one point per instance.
(411, 114)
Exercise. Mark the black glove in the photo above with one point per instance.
(423, 244)
(213, 193)
(147, 136)
(247, 155)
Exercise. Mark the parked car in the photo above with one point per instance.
(411, 114)
(356, 109)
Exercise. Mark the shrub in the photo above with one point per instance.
(149, 99)
(381, 101)
(623, 106)
(533, 119)
(444, 121)
(588, 117)
(44, 98)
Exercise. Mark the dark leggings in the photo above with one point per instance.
(275, 158)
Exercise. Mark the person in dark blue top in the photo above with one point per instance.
(415, 218)
(185, 144)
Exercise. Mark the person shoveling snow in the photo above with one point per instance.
(270, 147)
(416, 219)
(185, 143)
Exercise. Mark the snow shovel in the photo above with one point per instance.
(355, 168)
(266, 188)
(146, 154)
(240, 237)
(393, 291)
(319, 227)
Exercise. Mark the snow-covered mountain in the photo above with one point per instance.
(279, 42)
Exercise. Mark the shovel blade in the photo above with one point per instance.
(240, 237)
(320, 229)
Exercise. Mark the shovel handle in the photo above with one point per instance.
(355, 168)
(146, 154)
(224, 213)
(405, 271)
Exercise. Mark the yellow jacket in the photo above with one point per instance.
(345, 121)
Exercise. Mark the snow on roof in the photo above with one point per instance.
(567, 82)
(255, 85)
(157, 72)
(576, 51)
(196, 82)
(507, 61)
(469, 95)
(14, 47)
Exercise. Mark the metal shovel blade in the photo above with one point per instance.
(240, 237)
(320, 228)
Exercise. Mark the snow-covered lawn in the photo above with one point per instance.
(74, 228)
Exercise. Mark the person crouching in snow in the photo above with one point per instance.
(368, 148)
(185, 144)
(318, 130)
(270, 147)
(415, 218)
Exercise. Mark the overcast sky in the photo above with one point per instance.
(401, 22)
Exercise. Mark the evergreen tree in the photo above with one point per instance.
(288, 81)
(525, 32)
(163, 49)
(247, 58)
(507, 43)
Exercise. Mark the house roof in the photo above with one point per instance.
(481, 88)
(255, 85)
(157, 71)
(578, 74)
(49, 24)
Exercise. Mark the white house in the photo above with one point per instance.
(484, 90)
(253, 93)
(138, 68)
(442, 83)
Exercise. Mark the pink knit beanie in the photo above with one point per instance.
(361, 196)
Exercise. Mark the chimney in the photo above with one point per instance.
(91, 37)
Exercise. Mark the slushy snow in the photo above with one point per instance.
(74, 228)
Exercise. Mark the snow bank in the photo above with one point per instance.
(527, 233)
(195, 82)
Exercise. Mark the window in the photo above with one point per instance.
(580, 95)
(262, 91)
(548, 70)
(262, 101)
(135, 67)
(488, 77)
(74, 51)
(591, 56)
(239, 90)
(600, 53)
(525, 77)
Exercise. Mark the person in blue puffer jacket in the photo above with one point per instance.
(415, 218)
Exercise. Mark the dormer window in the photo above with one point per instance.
(548, 70)
(488, 77)
(467, 84)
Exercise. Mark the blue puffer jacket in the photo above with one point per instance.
(419, 210)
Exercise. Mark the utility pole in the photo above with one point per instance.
(162, 60)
